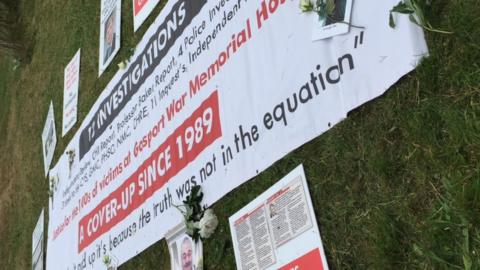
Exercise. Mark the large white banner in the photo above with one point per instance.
(71, 81)
(216, 92)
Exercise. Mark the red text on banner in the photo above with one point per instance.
(195, 134)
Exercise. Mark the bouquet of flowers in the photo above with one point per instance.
(200, 222)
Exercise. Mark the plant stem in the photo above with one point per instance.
(436, 30)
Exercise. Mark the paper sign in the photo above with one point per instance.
(336, 23)
(141, 10)
(278, 229)
(70, 93)
(49, 139)
(110, 30)
(185, 254)
(37, 244)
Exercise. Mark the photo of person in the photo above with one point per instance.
(109, 38)
(185, 253)
(333, 20)
(273, 210)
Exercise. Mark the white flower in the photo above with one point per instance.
(208, 224)
(199, 263)
(122, 65)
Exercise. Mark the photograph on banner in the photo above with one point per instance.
(71, 79)
(37, 244)
(175, 117)
(49, 139)
(141, 10)
(185, 254)
(278, 229)
(110, 31)
(335, 19)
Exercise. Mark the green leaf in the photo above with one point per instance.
(195, 190)
(189, 212)
(467, 262)
(402, 8)
(418, 12)
(414, 20)
(418, 250)
(391, 21)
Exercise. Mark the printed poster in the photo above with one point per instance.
(49, 139)
(110, 31)
(185, 254)
(37, 244)
(141, 10)
(335, 21)
(278, 229)
(70, 93)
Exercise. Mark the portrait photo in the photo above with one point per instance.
(109, 38)
(334, 21)
(185, 254)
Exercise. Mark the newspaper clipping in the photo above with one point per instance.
(267, 232)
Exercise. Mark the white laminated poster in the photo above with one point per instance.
(37, 244)
(214, 93)
(185, 254)
(334, 20)
(141, 10)
(110, 30)
(49, 139)
(278, 229)
(71, 80)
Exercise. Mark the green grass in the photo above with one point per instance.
(395, 186)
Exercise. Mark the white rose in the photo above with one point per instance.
(208, 224)
(122, 65)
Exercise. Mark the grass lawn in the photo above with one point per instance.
(395, 186)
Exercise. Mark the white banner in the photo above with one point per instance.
(49, 139)
(215, 93)
(110, 31)
(37, 244)
(141, 10)
(71, 78)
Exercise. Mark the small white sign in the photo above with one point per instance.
(37, 244)
(70, 93)
(336, 20)
(49, 139)
(278, 229)
(110, 30)
(141, 10)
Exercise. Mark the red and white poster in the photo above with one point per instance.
(278, 229)
(70, 93)
(215, 93)
(141, 10)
